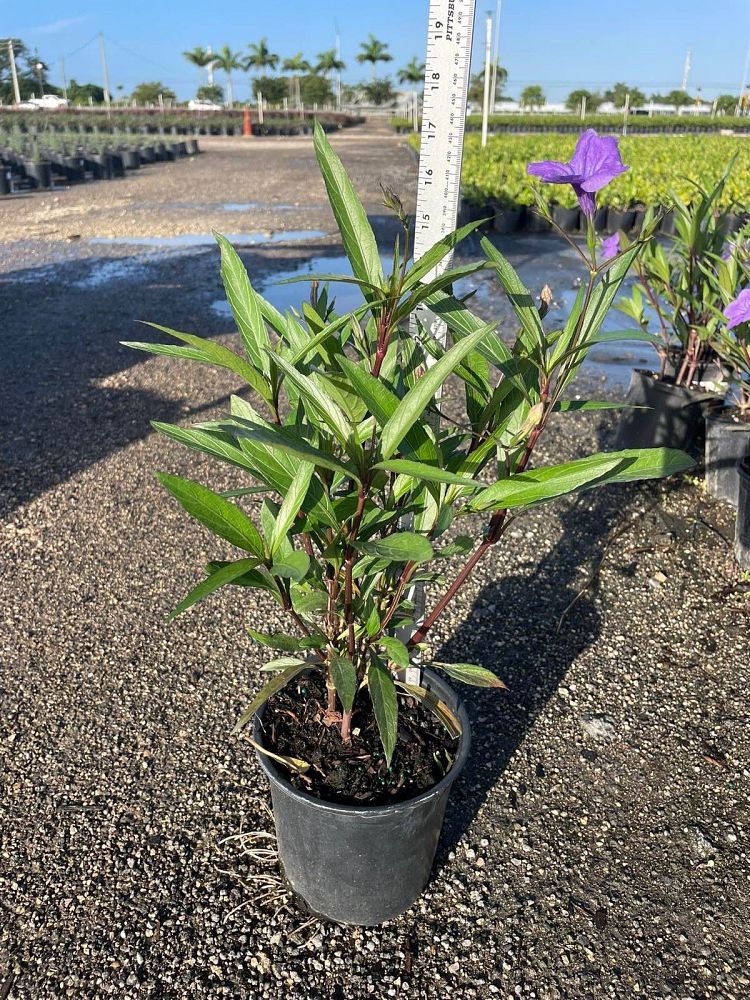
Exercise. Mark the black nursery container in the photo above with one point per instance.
(131, 159)
(361, 864)
(670, 416)
(742, 524)
(566, 218)
(507, 220)
(727, 443)
(39, 174)
(620, 221)
(4, 181)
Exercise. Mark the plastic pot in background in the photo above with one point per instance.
(192, 147)
(600, 219)
(4, 181)
(620, 219)
(507, 220)
(39, 173)
(742, 524)
(361, 864)
(131, 159)
(727, 443)
(147, 154)
(471, 212)
(566, 218)
(673, 418)
(534, 223)
(639, 214)
(667, 224)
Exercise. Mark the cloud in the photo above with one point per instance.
(56, 26)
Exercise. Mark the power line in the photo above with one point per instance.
(81, 47)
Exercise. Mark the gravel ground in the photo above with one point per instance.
(596, 845)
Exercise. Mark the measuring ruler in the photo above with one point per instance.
(446, 84)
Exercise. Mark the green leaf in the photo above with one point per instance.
(575, 405)
(216, 513)
(385, 706)
(217, 445)
(468, 673)
(282, 663)
(416, 400)
(344, 678)
(427, 473)
(402, 546)
(225, 575)
(284, 440)
(293, 566)
(544, 484)
(396, 650)
(356, 232)
(437, 252)
(287, 643)
(207, 352)
(275, 684)
(309, 603)
(291, 505)
(245, 305)
(458, 547)
(520, 299)
(322, 404)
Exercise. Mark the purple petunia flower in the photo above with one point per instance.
(738, 311)
(611, 246)
(595, 162)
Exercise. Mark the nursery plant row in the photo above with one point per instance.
(571, 124)
(175, 123)
(69, 157)
(495, 182)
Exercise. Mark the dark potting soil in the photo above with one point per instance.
(356, 774)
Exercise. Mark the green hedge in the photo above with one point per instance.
(641, 124)
(658, 164)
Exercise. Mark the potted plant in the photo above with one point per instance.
(728, 431)
(361, 494)
(38, 169)
(676, 288)
(565, 211)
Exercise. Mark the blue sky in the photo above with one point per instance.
(558, 45)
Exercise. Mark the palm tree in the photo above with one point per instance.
(413, 72)
(373, 52)
(201, 57)
(329, 62)
(296, 65)
(227, 61)
(261, 57)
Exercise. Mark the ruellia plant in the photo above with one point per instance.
(731, 338)
(677, 286)
(363, 486)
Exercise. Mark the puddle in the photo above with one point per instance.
(206, 239)
(259, 206)
(611, 362)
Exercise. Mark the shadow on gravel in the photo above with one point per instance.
(512, 628)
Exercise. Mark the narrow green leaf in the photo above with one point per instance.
(275, 684)
(468, 673)
(284, 440)
(575, 405)
(344, 678)
(292, 566)
(292, 504)
(245, 305)
(416, 400)
(402, 546)
(216, 513)
(321, 403)
(544, 484)
(356, 233)
(287, 643)
(520, 299)
(437, 252)
(227, 574)
(427, 473)
(395, 649)
(385, 706)
(273, 666)
(458, 547)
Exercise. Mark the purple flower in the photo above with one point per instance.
(595, 162)
(611, 246)
(738, 311)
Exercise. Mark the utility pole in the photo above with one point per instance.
(744, 82)
(338, 71)
(487, 58)
(686, 69)
(625, 113)
(13, 73)
(105, 73)
(210, 66)
(64, 79)
(583, 108)
(496, 55)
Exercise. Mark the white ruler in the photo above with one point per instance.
(446, 83)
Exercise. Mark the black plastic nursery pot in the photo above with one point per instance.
(361, 864)
(672, 419)
(535, 223)
(600, 219)
(620, 220)
(40, 174)
(566, 218)
(4, 181)
(131, 159)
(507, 220)
(742, 524)
(727, 443)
